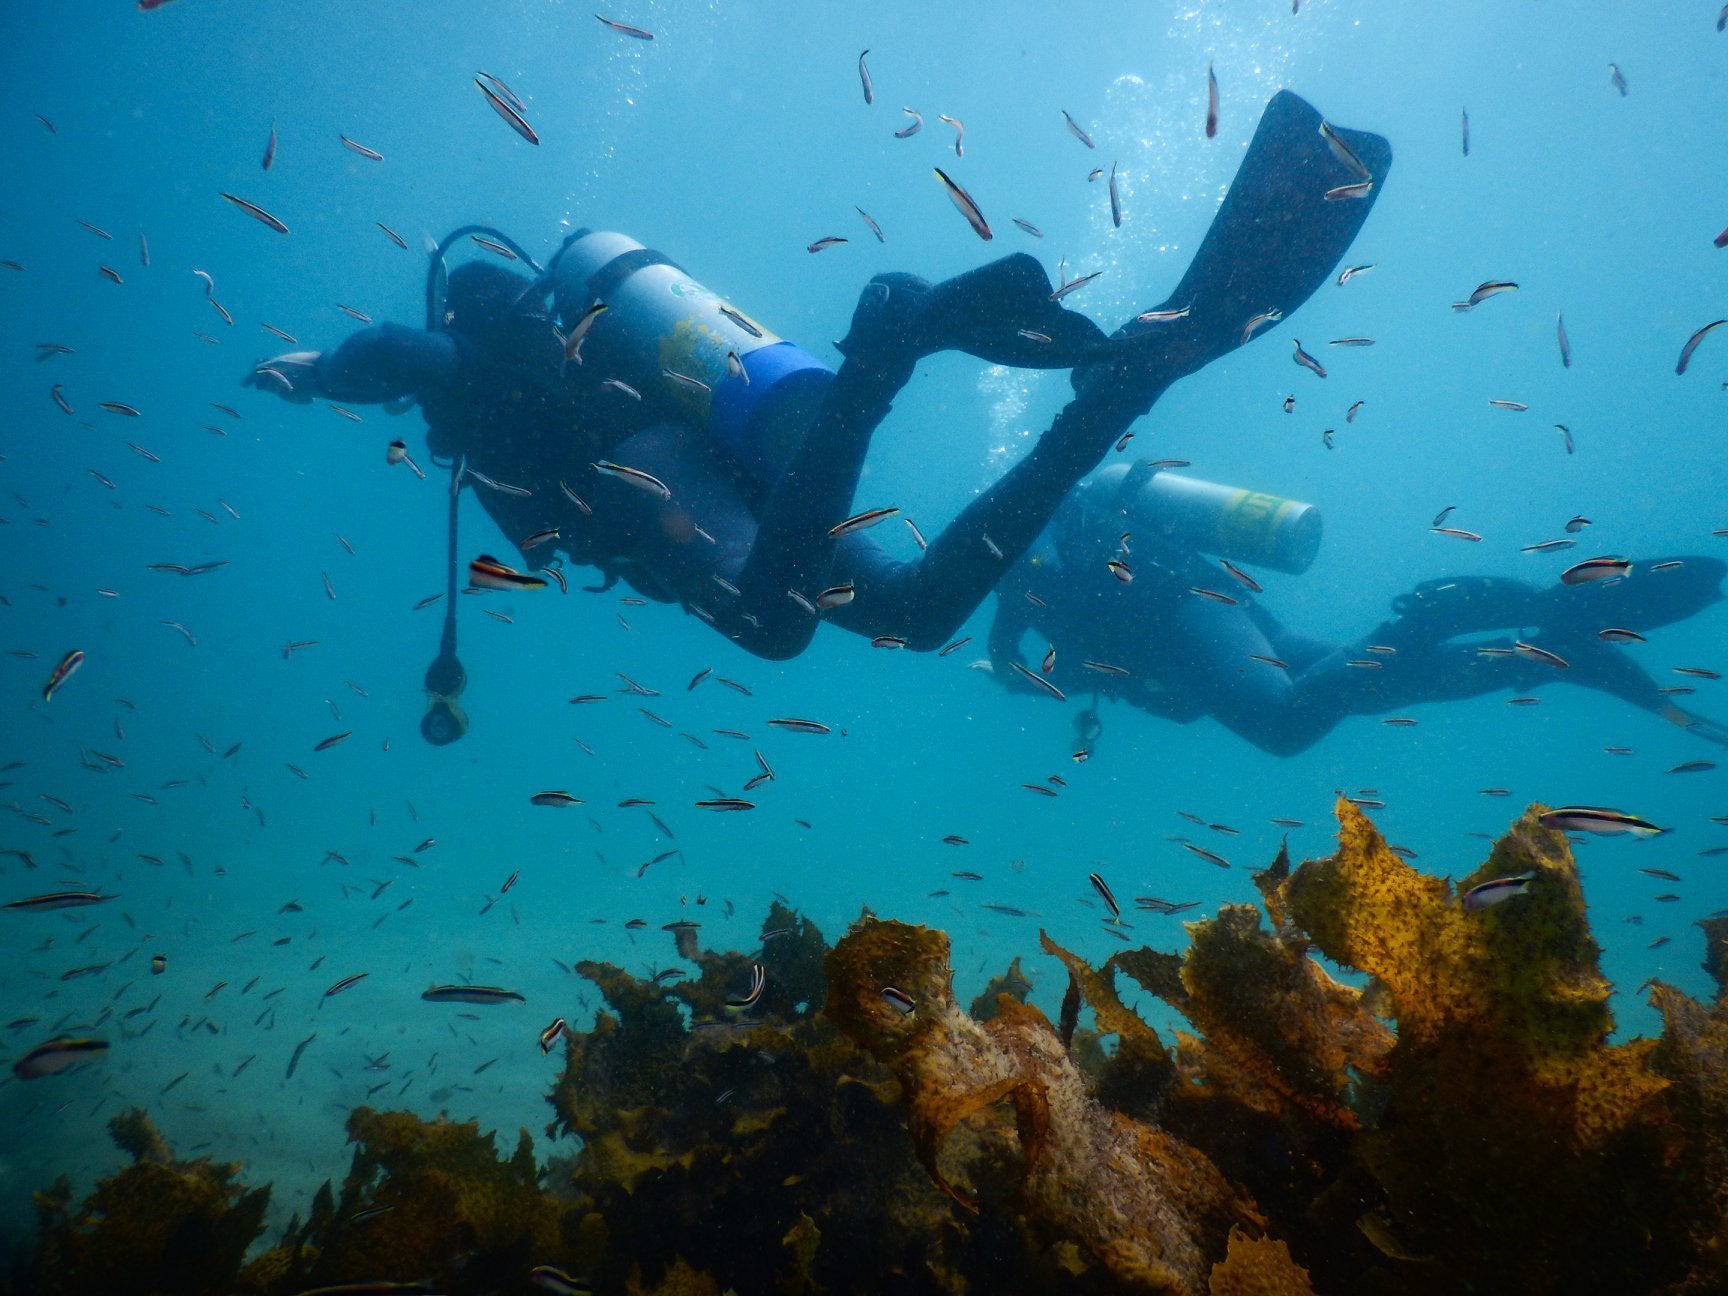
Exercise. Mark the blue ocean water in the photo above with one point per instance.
(731, 141)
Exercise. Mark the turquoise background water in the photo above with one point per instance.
(731, 142)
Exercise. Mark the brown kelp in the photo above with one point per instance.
(823, 1120)
(158, 1225)
(768, 1126)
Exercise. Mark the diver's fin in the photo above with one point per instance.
(1276, 239)
(1645, 600)
(1002, 312)
(1441, 609)
(1567, 613)
(1693, 723)
(1592, 664)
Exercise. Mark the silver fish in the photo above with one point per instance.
(625, 29)
(1599, 820)
(471, 994)
(257, 213)
(1692, 344)
(1485, 895)
(634, 477)
(1343, 152)
(967, 207)
(959, 133)
(1307, 361)
(58, 1055)
(507, 105)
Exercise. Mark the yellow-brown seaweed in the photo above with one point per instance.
(1258, 1267)
(1509, 1129)
(1492, 1140)
(1154, 1210)
(451, 1195)
(1275, 1028)
(159, 1225)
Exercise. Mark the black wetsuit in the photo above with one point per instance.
(1157, 645)
(518, 423)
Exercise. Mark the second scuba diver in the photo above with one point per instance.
(669, 440)
(1126, 604)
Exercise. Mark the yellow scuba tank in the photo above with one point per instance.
(1226, 521)
(692, 356)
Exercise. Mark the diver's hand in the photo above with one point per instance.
(293, 377)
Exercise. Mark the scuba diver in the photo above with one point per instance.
(646, 427)
(1121, 590)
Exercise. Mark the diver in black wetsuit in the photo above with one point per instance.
(760, 449)
(1170, 631)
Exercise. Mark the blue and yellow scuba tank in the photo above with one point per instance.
(1231, 522)
(673, 340)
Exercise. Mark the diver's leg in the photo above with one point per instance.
(1224, 667)
(1565, 620)
(793, 549)
(1437, 610)
(1662, 593)
(964, 562)
(1297, 651)
(899, 318)
(1465, 604)
(1437, 670)
(1693, 723)
(1359, 682)
(1273, 243)
(1609, 669)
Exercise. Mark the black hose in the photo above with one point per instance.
(437, 275)
(447, 642)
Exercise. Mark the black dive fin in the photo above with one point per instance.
(1695, 724)
(1001, 312)
(1276, 239)
(1643, 601)
(1448, 606)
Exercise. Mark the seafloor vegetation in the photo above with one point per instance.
(1463, 1125)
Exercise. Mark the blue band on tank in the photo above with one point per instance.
(735, 402)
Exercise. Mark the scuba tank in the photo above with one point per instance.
(673, 340)
(692, 357)
(1224, 521)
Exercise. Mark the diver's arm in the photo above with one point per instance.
(385, 363)
(375, 365)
